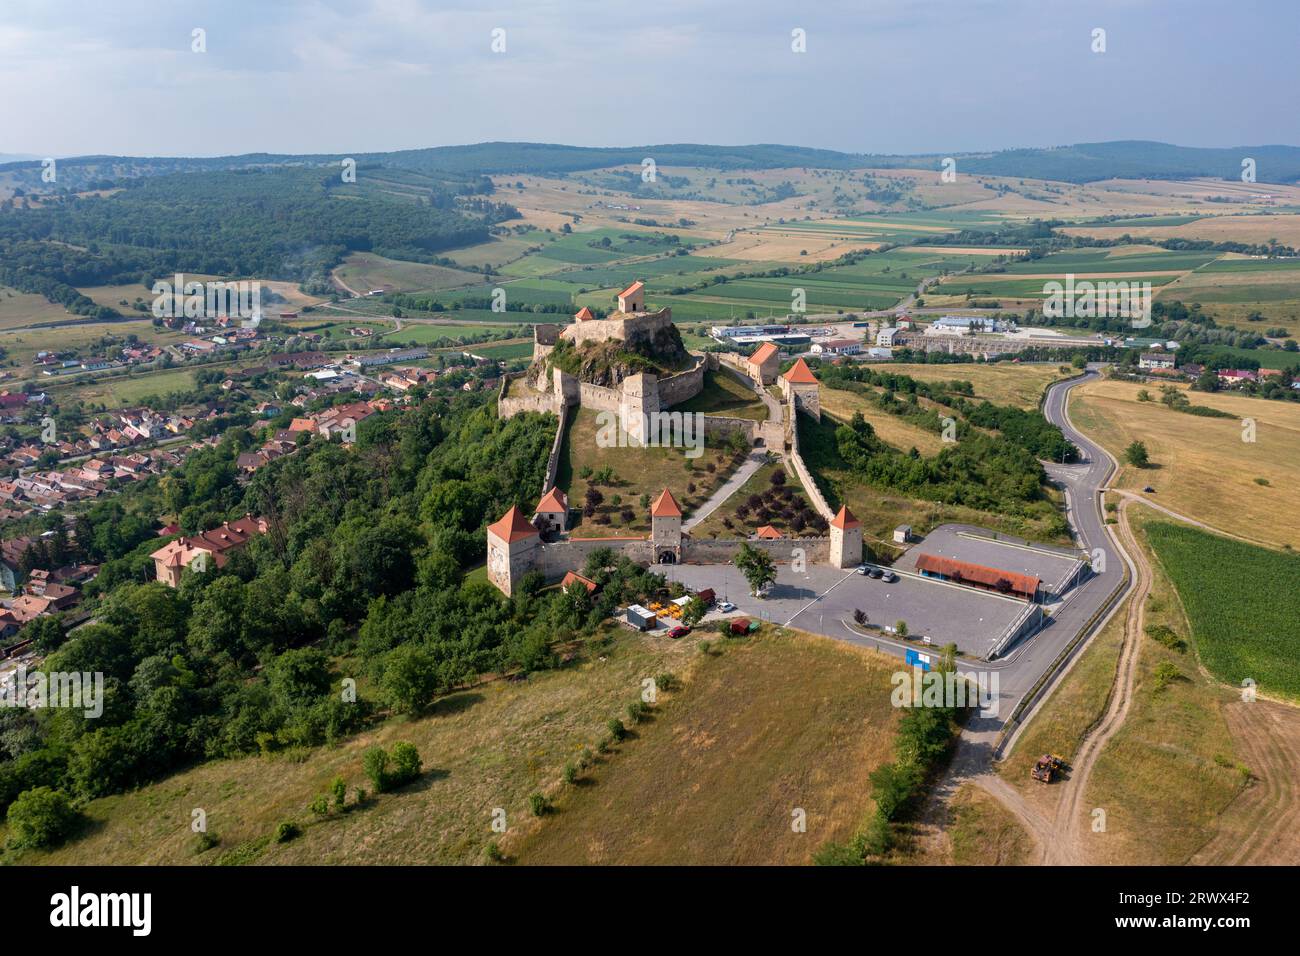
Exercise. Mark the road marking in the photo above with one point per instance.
(819, 597)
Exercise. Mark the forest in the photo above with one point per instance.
(291, 224)
(361, 575)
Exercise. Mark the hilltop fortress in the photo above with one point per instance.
(614, 365)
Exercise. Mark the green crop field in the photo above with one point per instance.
(1243, 604)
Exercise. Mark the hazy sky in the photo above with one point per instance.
(118, 76)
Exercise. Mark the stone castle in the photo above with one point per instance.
(633, 396)
(515, 542)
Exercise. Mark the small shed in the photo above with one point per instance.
(903, 534)
(641, 618)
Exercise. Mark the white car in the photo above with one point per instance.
(726, 607)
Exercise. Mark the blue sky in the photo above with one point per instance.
(87, 76)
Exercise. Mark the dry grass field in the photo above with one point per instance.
(1201, 466)
(981, 832)
(1003, 383)
(1285, 228)
(19, 309)
(772, 724)
(901, 434)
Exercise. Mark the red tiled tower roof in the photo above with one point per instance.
(665, 506)
(844, 519)
(512, 527)
(800, 374)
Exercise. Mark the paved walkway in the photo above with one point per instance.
(756, 460)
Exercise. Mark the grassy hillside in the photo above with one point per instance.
(801, 721)
(771, 725)
(490, 746)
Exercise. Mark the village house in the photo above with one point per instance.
(204, 550)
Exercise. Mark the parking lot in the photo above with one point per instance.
(824, 597)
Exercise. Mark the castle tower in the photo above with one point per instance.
(639, 399)
(801, 389)
(632, 299)
(666, 529)
(846, 539)
(513, 546)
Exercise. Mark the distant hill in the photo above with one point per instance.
(1135, 159)
(1084, 162)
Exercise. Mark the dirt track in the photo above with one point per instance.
(1069, 810)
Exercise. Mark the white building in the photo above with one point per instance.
(885, 337)
(837, 347)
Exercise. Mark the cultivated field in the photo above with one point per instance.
(1242, 603)
(1201, 466)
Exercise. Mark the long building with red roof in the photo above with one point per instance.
(1015, 583)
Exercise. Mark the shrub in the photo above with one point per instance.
(1165, 674)
(41, 816)
(321, 805)
(494, 852)
(406, 764)
(205, 841)
(538, 803)
(375, 764)
(340, 791)
(570, 773)
(1165, 635)
(616, 729)
(667, 681)
(286, 831)
(635, 711)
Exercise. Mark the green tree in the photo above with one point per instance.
(410, 678)
(756, 565)
(1136, 454)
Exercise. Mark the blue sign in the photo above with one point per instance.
(917, 659)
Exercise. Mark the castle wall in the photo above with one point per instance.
(612, 328)
(683, 385)
(598, 397)
(721, 551)
(553, 461)
(557, 557)
(532, 401)
(805, 476)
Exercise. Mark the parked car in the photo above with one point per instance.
(862, 569)
(1148, 490)
(875, 573)
(726, 607)
(889, 577)
(681, 630)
